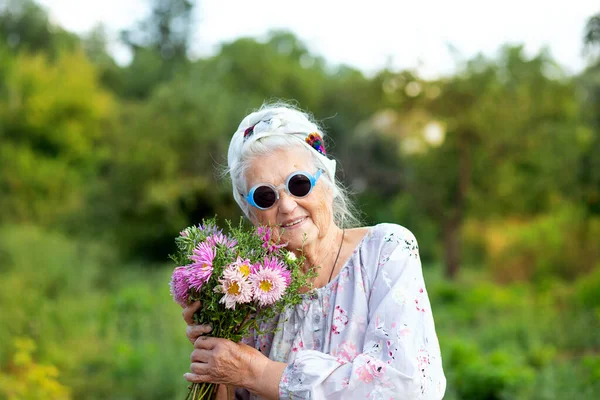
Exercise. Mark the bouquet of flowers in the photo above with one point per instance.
(241, 278)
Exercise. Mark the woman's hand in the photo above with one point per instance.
(225, 362)
(222, 361)
(193, 331)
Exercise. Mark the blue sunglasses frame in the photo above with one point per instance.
(312, 179)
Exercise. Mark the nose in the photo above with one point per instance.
(287, 203)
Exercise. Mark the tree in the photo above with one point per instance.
(591, 39)
(498, 139)
(53, 115)
(589, 83)
(159, 44)
(24, 26)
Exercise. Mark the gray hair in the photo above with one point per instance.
(281, 126)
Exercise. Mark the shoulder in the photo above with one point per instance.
(393, 237)
(388, 249)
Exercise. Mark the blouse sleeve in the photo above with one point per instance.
(400, 357)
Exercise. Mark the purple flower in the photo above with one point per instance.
(201, 268)
(266, 235)
(179, 285)
(208, 229)
(220, 239)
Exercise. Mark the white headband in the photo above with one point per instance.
(279, 122)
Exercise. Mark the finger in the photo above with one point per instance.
(194, 378)
(193, 332)
(206, 342)
(201, 369)
(188, 312)
(200, 356)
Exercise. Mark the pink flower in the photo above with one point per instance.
(201, 269)
(184, 233)
(245, 267)
(179, 285)
(235, 288)
(268, 284)
(346, 352)
(370, 370)
(275, 263)
(218, 238)
(266, 235)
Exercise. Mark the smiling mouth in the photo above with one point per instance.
(293, 223)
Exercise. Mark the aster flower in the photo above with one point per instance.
(235, 288)
(243, 266)
(220, 239)
(266, 235)
(201, 268)
(208, 228)
(179, 285)
(268, 284)
(276, 264)
(290, 256)
(184, 233)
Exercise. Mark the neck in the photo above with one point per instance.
(322, 254)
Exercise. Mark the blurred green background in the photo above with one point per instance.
(496, 169)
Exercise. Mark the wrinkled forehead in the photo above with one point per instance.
(275, 167)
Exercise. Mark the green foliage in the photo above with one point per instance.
(25, 26)
(495, 376)
(515, 341)
(102, 165)
(50, 131)
(99, 324)
(28, 380)
(558, 245)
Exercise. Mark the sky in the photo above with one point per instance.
(427, 36)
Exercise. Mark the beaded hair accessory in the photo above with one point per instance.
(315, 141)
(249, 132)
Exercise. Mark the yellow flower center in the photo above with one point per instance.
(205, 266)
(233, 289)
(245, 269)
(265, 286)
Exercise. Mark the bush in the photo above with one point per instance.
(562, 245)
(26, 379)
(109, 331)
(475, 375)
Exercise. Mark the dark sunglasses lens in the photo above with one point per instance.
(264, 196)
(299, 185)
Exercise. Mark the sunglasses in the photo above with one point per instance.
(299, 184)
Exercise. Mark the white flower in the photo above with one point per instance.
(290, 256)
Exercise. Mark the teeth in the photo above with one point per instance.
(294, 223)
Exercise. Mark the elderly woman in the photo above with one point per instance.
(365, 330)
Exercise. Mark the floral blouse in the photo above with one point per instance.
(368, 334)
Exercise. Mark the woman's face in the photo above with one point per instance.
(311, 216)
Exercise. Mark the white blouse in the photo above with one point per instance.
(368, 334)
